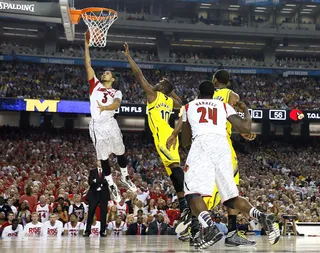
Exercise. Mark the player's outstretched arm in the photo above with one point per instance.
(242, 125)
(87, 60)
(186, 135)
(148, 89)
(177, 102)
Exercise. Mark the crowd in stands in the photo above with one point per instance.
(46, 173)
(48, 81)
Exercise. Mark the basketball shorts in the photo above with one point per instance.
(209, 164)
(168, 157)
(213, 201)
(107, 138)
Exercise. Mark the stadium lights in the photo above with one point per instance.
(258, 10)
(285, 12)
(234, 6)
(311, 6)
(307, 9)
(286, 9)
(305, 12)
(233, 9)
(261, 8)
(291, 5)
(204, 7)
(203, 4)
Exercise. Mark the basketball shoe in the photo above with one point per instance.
(185, 221)
(210, 236)
(238, 239)
(128, 183)
(115, 193)
(267, 222)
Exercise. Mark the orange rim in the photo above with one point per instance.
(75, 15)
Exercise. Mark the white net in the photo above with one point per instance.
(98, 23)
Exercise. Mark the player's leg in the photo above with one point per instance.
(93, 203)
(103, 208)
(118, 148)
(230, 198)
(199, 173)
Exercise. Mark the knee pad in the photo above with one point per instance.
(106, 167)
(229, 203)
(122, 161)
(177, 178)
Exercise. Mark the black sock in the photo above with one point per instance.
(106, 167)
(122, 161)
(194, 226)
(232, 223)
(182, 204)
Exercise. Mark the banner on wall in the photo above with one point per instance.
(162, 66)
(83, 107)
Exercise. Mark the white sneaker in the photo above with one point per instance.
(128, 183)
(115, 193)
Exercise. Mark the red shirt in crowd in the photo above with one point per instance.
(173, 215)
(32, 201)
(156, 196)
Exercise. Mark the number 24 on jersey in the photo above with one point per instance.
(208, 114)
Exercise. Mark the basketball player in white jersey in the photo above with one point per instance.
(117, 227)
(33, 228)
(209, 162)
(104, 130)
(95, 227)
(73, 227)
(122, 207)
(43, 209)
(52, 227)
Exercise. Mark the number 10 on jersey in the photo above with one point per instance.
(165, 115)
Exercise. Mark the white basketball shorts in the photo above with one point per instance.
(209, 162)
(107, 138)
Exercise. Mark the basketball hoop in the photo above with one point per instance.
(98, 21)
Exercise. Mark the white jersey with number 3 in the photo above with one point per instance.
(105, 97)
(207, 116)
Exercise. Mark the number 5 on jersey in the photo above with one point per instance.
(208, 114)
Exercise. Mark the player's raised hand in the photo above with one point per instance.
(172, 141)
(126, 51)
(249, 137)
(102, 107)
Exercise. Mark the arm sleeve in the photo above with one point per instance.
(185, 114)
(93, 82)
(229, 110)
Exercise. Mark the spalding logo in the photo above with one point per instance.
(296, 115)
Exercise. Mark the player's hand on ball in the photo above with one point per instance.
(102, 107)
(126, 51)
(240, 106)
(172, 141)
(249, 137)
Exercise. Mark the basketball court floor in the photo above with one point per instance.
(150, 244)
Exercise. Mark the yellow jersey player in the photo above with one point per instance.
(221, 81)
(161, 100)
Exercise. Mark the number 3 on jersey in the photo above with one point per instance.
(208, 114)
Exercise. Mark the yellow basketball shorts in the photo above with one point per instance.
(214, 200)
(168, 157)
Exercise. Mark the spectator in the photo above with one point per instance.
(137, 228)
(52, 227)
(174, 213)
(95, 228)
(43, 209)
(32, 200)
(122, 207)
(33, 228)
(13, 231)
(117, 227)
(4, 207)
(221, 226)
(158, 227)
(79, 208)
(62, 214)
(73, 227)
(24, 215)
(112, 215)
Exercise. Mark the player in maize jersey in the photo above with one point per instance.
(161, 100)
(104, 130)
(221, 82)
